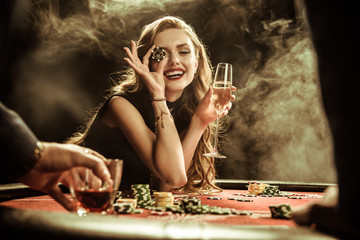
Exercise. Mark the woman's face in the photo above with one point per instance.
(181, 62)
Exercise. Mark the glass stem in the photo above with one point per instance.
(216, 132)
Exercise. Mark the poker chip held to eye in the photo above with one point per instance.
(158, 54)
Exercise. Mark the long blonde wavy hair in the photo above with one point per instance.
(201, 173)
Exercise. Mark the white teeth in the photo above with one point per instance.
(174, 73)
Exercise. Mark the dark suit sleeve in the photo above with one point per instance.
(335, 35)
(17, 145)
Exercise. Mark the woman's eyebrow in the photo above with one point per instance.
(182, 45)
(178, 46)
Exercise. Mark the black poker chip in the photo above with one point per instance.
(158, 54)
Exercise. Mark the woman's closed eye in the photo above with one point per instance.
(185, 51)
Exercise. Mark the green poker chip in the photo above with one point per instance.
(281, 211)
(142, 194)
(271, 190)
(239, 212)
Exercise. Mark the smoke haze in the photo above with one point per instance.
(278, 127)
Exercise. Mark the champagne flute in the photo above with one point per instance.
(221, 96)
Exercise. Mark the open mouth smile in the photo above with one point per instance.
(174, 74)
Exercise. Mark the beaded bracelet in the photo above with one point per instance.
(161, 120)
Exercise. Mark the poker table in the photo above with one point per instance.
(31, 214)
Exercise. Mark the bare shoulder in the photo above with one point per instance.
(119, 103)
(121, 112)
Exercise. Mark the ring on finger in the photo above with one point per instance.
(86, 151)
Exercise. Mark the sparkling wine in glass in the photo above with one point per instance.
(220, 98)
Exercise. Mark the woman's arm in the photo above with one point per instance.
(205, 114)
(161, 153)
(168, 152)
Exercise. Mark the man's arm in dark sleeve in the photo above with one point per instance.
(17, 144)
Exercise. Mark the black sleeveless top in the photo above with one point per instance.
(112, 143)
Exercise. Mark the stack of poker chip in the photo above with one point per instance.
(220, 210)
(175, 209)
(190, 204)
(124, 208)
(197, 209)
(206, 209)
(281, 210)
(256, 188)
(142, 194)
(271, 190)
(163, 199)
(127, 200)
(190, 201)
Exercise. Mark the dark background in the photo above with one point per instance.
(61, 53)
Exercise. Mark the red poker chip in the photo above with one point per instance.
(160, 213)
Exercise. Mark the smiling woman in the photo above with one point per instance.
(158, 117)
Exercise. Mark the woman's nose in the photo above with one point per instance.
(173, 60)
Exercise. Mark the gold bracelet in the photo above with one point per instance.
(158, 99)
(39, 150)
(161, 120)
